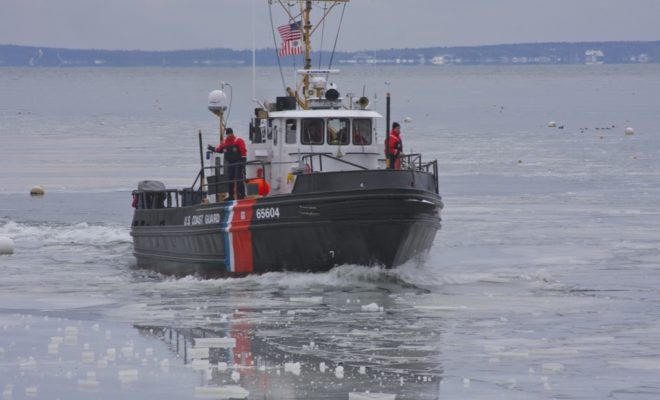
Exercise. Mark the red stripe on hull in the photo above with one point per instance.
(241, 235)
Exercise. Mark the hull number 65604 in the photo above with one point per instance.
(268, 213)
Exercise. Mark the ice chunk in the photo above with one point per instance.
(294, 368)
(8, 392)
(363, 370)
(27, 364)
(309, 300)
(219, 342)
(553, 367)
(310, 346)
(70, 340)
(88, 357)
(339, 372)
(199, 365)
(53, 348)
(221, 392)
(127, 351)
(128, 375)
(70, 331)
(56, 340)
(371, 396)
(322, 367)
(199, 353)
(88, 384)
(372, 307)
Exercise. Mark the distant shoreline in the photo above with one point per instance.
(506, 54)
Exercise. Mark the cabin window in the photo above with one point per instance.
(362, 131)
(338, 131)
(270, 130)
(291, 131)
(312, 131)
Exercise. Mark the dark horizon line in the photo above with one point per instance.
(340, 51)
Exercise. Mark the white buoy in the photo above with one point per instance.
(552, 124)
(630, 131)
(37, 191)
(6, 245)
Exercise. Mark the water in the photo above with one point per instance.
(542, 282)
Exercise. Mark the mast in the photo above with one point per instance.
(307, 39)
(308, 30)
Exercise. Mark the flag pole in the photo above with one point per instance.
(254, 57)
(308, 46)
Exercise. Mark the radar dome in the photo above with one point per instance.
(217, 101)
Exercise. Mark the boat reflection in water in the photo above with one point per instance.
(234, 361)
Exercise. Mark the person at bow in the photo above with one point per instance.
(235, 156)
(394, 148)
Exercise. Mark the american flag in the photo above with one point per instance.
(290, 31)
(291, 37)
(290, 47)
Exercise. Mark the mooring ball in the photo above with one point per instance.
(37, 191)
(6, 245)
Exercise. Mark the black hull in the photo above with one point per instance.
(306, 231)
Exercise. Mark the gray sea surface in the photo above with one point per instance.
(543, 282)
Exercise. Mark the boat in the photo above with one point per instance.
(319, 192)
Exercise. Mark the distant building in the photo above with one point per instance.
(593, 57)
(438, 60)
(445, 59)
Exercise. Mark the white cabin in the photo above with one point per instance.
(291, 142)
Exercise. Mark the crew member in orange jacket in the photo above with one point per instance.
(235, 155)
(264, 187)
(395, 149)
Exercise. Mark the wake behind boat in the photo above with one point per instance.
(319, 190)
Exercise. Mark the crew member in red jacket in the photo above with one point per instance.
(395, 149)
(235, 155)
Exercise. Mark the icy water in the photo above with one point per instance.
(542, 284)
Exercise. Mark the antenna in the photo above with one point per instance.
(254, 57)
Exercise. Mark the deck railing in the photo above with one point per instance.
(200, 189)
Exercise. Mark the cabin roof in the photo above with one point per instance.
(325, 114)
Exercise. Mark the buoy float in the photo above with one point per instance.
(6, 245)
(37, 191)
(630, 131)
(552, 124)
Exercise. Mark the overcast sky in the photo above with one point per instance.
(368, 24)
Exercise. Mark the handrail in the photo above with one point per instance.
(153, 199)
(411, 162)
(321, 155)
(216, 168)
